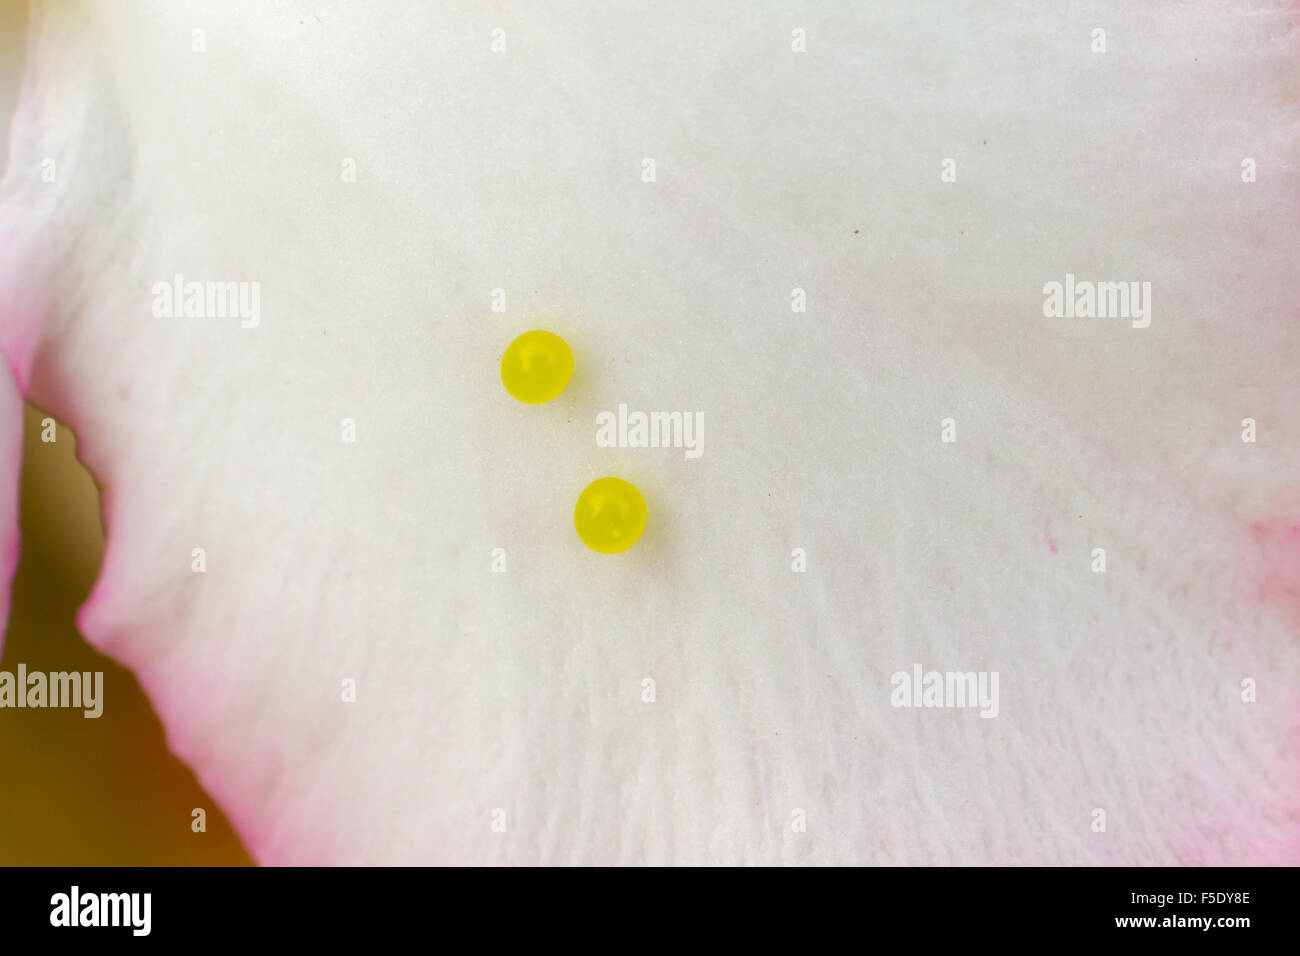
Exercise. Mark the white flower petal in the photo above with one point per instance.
(522, 692)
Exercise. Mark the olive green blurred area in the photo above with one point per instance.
(76, 791)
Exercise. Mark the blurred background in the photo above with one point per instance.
(73, 791)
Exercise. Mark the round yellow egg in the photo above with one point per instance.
(610, 515)
(536, 367)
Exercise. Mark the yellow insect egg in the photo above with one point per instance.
(536, 367)
(610, 515)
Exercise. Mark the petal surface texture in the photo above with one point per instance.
(716, 222)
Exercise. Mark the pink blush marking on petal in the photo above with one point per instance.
(1277, 577)
(23, 306)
